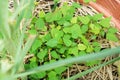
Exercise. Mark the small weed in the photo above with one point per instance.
(62, 35)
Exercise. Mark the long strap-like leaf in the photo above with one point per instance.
(4, 27)
(89, 57)
(92, 69)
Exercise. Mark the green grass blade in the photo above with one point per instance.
(89, 57)
(23, 52)
(1, 45)
(92, 69)
(4, 27)
(19, 8)
(26, 13)
(18, 51)
(26, 6)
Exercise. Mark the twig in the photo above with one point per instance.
(49, 55)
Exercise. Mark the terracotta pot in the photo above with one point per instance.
(108, 8)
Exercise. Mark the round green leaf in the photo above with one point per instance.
(52, 43)
(81, 47)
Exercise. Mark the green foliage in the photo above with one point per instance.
(66, 40)
(37, 44)
(41, 55)
(76, 5)
(87, 1)
(84, 19)
(85, 58)
(12, 34)
(111, 37)
(105, 22)
(52, 43)
(52, 75)
(40, 23)
(74, 20)
(65, 35)
(59, 70)
(60, 35)
(111, 34)
(51, 17)
(54, 55)
(42, 14)
(97, 17)
(81, 47)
